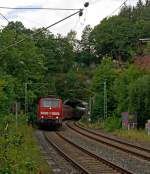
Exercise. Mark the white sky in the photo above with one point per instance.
(97, 10)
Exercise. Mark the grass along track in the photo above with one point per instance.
(138, 151)
(88, 162)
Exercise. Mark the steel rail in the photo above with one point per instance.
(108, 163)
(99, 135)
(67, 157)
(115, 140)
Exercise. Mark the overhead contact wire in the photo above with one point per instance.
(118, 8)
(42, 30)
(4, 17)
(38, 8)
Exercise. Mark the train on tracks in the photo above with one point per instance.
(50, 112)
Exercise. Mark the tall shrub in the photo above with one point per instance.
(105, 72)
(139, 98)
(121, 87)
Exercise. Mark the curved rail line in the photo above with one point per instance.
(88, 162)
(67, 157)
(118, 144)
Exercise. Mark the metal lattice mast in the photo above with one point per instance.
(105, 99)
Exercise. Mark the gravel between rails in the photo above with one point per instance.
(118, 157)
(138, 151)
(123, 139)
(89, 163)
(58, 164)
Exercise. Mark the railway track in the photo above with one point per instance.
(135, 150)
(86, 161)
(53, 158)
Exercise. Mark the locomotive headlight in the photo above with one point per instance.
(56, 117)
(42, 117)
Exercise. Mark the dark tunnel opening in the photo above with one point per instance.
(74, 109)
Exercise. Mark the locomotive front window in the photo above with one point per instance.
(54, 103)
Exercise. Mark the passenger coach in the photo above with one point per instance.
(50, 112)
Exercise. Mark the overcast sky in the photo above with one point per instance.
(97, 10)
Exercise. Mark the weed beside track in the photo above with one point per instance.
(19, 153)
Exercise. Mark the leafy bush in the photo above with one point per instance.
(7, 93)
(139, 98)
(19, 153)
(105, 72)
(112, 123)
(121, 87)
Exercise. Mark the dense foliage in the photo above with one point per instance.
(18, 151)
(44, 61)
(105, 73)
(73, 68)
(121, 87)
(139, 98)
(102, 61)
(118, 36)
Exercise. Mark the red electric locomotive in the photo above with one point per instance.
(50, 111)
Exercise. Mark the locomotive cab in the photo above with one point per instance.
(50, 112)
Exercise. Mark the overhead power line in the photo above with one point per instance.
(118, 8)
(80, 12)
(38, 8)
(44, 29)
(4, 17)
(63, 19)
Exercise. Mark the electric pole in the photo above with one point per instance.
(105, 99)
(26, 98)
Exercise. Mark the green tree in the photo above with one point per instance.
(23, 61)
(118, 36)
(114, 37)
(121, 87)
(104, 72)
(85, 53)
(72, 85)
(71, 37)
(7, 93)
(139, 98)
